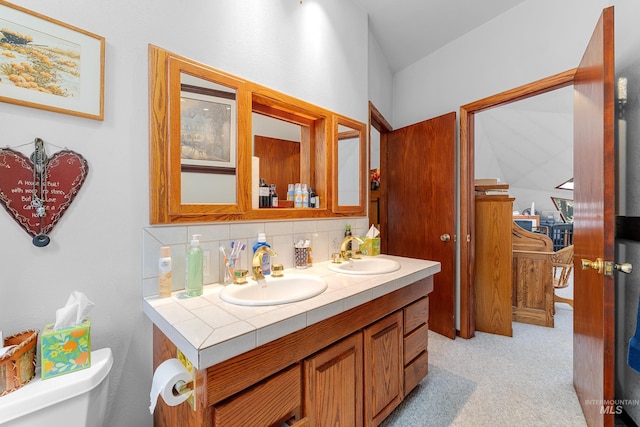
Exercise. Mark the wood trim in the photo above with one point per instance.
(357, 129)
(467, 213)
(318, 140)
(377, 121)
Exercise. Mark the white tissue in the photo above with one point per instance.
(74, 312)
(373, 232)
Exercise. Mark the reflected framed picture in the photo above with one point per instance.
(50, 65)
(565, 206)
(207, 136)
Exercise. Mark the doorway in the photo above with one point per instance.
(467, 176)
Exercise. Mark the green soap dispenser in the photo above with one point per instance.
(194, 268)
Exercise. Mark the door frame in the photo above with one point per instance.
(377, 121)
(467, 161)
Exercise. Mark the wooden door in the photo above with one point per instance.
(420, 206)
(594, 195)
(333, 384)
(279, 162)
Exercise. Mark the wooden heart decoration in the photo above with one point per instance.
(65, 173)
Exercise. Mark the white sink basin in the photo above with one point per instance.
(274, 290)
(372, 265)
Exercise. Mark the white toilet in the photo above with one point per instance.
(75, 399)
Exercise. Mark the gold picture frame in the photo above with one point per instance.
(50, 65)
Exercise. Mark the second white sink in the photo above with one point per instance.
(274, 290)
(369, 265)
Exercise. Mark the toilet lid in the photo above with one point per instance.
(39, 394)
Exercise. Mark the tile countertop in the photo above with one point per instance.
(208, 330)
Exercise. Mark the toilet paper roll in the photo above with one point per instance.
(167, 375)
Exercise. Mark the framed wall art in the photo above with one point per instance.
(50, 65)
(207, 130)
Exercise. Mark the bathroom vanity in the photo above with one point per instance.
(349, 355)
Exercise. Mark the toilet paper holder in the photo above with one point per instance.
(182, 387)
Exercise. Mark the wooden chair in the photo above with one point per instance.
(562, 269)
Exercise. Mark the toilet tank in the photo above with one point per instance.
(76, 399)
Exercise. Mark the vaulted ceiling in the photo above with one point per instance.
(409, 30)
(527, 144)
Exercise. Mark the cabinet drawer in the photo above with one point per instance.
(416, 314)
(415, 343)
(274, 400)
(415, 371)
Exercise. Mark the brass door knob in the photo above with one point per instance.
(625, 267)
(598, 264)
(607, 267)
(445, 237)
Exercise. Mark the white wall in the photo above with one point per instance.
(315, 51)
(380, 80)
(533, 40)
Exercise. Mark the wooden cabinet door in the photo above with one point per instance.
(383, 368)
(333, 384)
(493, 265)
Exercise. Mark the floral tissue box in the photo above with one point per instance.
(65, 350)
(371, 246)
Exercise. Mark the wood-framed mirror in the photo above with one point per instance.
(350, 168)
(196, 121)
(205, 136)
(291, 140)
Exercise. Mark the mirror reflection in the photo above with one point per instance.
(348, 166)
(208, 141)
(276, 146)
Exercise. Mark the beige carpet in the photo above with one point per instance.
(491, 380)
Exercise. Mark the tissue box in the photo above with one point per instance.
(371, 246)
(65, 350)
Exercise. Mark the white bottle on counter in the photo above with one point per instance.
(164, 272)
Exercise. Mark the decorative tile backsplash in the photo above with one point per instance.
(325, 236)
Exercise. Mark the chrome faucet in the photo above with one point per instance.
(347, 254)
(257, 261)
